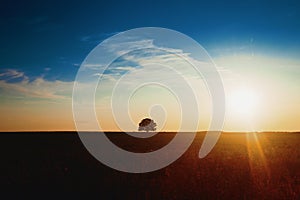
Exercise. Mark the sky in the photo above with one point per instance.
(255, 45)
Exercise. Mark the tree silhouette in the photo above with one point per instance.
(147, 124)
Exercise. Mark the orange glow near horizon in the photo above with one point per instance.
(261, 95)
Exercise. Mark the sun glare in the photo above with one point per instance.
(242, 101)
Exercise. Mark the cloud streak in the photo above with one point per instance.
(38, 88)
(13, 74)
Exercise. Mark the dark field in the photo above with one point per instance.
(241, 166)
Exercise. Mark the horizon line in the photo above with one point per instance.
(168, 131)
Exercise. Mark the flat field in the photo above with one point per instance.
(56, 165)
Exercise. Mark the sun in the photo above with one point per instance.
(242, 101)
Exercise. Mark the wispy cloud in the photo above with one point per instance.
(12, 74)
(94, 66)
(96, 38)
(133, 54)
(123, 47)
(37, 88)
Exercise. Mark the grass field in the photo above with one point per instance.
(241, 166)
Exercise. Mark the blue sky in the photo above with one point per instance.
(58, 34)
(44, 42)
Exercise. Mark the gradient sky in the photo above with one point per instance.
(255, 44)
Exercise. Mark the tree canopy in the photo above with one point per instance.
(147, 124)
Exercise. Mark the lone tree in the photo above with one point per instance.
(147, 124)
